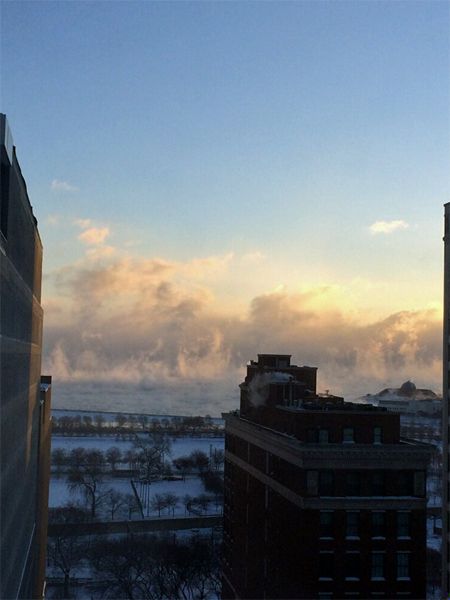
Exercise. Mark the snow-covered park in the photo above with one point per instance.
(120, 489)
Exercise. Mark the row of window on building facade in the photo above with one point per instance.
(359, 483)
(353, 525)
(353, 565)
(322, 435)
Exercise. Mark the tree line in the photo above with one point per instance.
(144, 460)
(122, 423)
(135, 566)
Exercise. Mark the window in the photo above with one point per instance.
(404, 484)
(311, 436)
(326, 565)
(403, 524)
(312, 483)
(326, 483)
(419, 484)
(377, 435)
(348, 436)
(352, 524)
(353, 484)
(378, 524)
(4, 198)
(377, 570)
(323, 436)
(378, 488)
(352, 565)
(326, 524)
(402, 565)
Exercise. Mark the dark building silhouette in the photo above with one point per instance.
(24, 396)
(322, 498)
(445, 410)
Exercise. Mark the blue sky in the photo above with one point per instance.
(267, 137)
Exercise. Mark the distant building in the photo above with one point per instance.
(322, 498)
(407, 400)
(445, 410)
(24, 396)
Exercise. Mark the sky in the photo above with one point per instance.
(218, 179)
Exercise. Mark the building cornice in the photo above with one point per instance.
(335, 456)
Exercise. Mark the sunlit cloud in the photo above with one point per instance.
(83, 223)
(57, 185)
(144, 322)
(94, 235)
(253, 257)
(387, 227)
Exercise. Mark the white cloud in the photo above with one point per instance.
(387, 226)
(83, 223)
(156, 327)
(94, 235)
(253, 257)
(52, 220)
(57, 185)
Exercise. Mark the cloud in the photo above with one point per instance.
(253, 257)
(94, 235)
(387, 226)
(83, 223)
(52, 220)
(143, 323)
(57, 185)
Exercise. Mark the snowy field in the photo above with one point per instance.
(60, 493)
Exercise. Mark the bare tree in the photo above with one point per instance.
(187, 503)
(87, 422)
(183, 464)
(77, 457)
(113, 456)
(88, 478)
(65, 550)
(143, 420)
(149, 458)
(171, 501)
(120, 420)
(99, 420)
(131, 457)
(218, 458)
(200, 460)
(162, 442)
(158, 502)
(203, 502)
(157, 567)
(115, 500)
(59, 458)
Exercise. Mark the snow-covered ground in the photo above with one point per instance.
(60, 493)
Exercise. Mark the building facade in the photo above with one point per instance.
(322, 498)
(445, 410)
(24, 399)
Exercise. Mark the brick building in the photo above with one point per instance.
(24, 396)
(322, 498)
